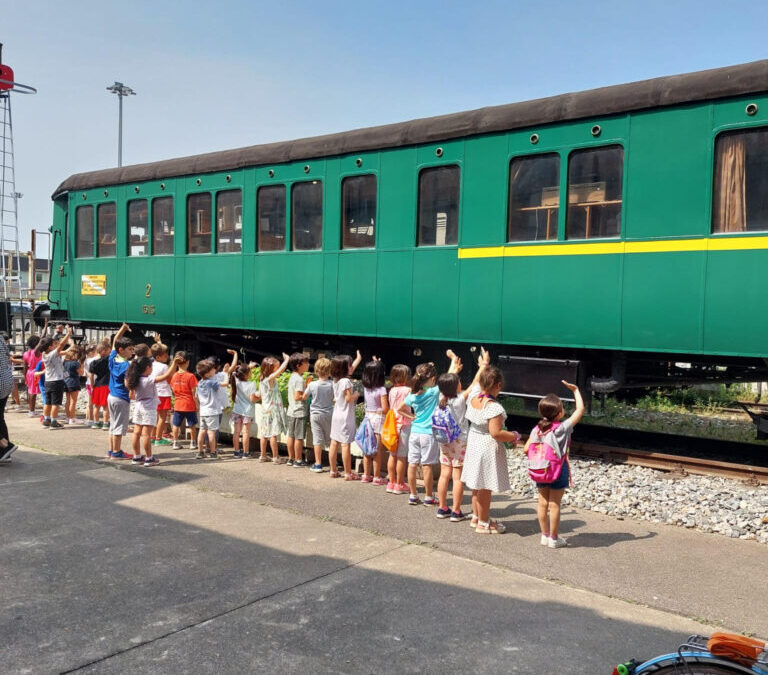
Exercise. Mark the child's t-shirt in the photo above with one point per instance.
(208, 396)
(145, 394)
(343, 408)
(100, 372)
(243, 405)
(117, 368)
(223, 392)
(558, 438)
(295, 384)
(87, 364)
(183, 385)
(397, 396)
(72, 374)
(54, 366)
(373, 399)
(423, 406)
(321, 395)
(41, 380)
(163, 388)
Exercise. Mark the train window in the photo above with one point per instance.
(107, 230)
(229, 221)
(307, 215)
(358, 211)
(271, 216)
(740, 198)
(138, 227)
(534, 197)
(439, 206)
(595, 192)
(162, 226)
(199, 223)
(84, 232)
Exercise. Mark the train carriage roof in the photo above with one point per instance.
(658, 92)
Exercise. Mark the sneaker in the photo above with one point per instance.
(7, 452)
(391, 487)
(544, 540)
(334, 474)
(213, 455)
(137, 459)
(289, 462)
(301, 464)
(457, 516)
(442, 513)
(151, 461)
(200, 455)
(237, 454)
(430, 501)
(246, 455)
(379, 481)
(401, 489)
(264, 458)
(161, 441)
(316, 468)
(557, 543)
(414, 500)
(175, 446)
(119, 455)
(366, 478)
(31, 413)
(193, 446)
(55, 425)
(47, 421)
(352, 476)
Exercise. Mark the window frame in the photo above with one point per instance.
(215, 216)
(289, 215)
(152, 200)
(98, 228)
(128, 203)
(342, 178)
(562, 192)
(211, 249)
(438, 165)
(92, 254)
(612, 143)
(286, 213)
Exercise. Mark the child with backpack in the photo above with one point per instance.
(547, 450)
(450, 428)
(400, 377)
(376, 406)
(419, 405)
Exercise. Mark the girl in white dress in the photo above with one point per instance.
(485, 463)
(343, 420)
(272, 410)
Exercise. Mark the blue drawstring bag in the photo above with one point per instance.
(366, 438)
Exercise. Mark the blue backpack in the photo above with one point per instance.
(366, 438)
(444, 427)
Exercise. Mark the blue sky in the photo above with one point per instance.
(211, 76)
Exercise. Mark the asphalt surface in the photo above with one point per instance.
(236, 566)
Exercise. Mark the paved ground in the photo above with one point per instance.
(232, 566)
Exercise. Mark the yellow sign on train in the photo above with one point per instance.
(93, 284)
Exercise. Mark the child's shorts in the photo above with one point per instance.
(237, 418)
(54, 392)
(297, 427)
(562, 482)
(69, 388)
(180, 416)
(422, 449)
(452, 454)
(165, 403)
(100, 395)
(209, 422)
(144, 418)
(402, 441)
(119, 415)
(376, 419)
(320, 423)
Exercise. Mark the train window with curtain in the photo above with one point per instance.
(107, 230)
(229, 221)
(138, 227)
(740, 197)
(84, 232)
(439, 206)
(534, 197)
(307, 216)
(271, 218)
(162, 226)
(358, 211)
(595, 177)
(199, 223)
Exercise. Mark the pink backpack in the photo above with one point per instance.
(544, 464)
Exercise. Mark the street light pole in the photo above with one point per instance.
(121, 90)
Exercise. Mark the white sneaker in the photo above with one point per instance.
(193, 446)
(544, 540)
(557, 543)
(175, 446)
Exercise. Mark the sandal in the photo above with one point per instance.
(334, 474)
(473, 522)
(491, 527)
(352, 476)
(264, 458)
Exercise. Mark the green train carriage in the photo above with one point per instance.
(452, 231)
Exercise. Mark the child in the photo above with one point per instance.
(557, 434)
(210, 401)
(422, 447)
(99, 376)
(272, 411)
(400, 376)
(343, 419)
(164, 392)
(376, 406)
(244, 393)
(39, 376)
(90, 357)
(73, 369)
(485, 463)
(141, 350)
(452, 454)
(51, 351)
(184, 384)
(320, 391)
(298, 364)
(118, 401)
(140, 381)
(30, 363)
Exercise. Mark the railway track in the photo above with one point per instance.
(680, 455)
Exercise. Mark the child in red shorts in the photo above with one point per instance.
(164, 391)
